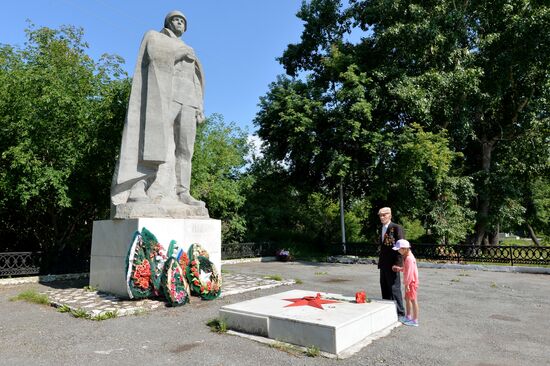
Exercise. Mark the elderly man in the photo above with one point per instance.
(390, 281)
(166, 103)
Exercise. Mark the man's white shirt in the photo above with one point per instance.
(384, 229)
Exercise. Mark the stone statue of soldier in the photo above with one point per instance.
(153, 173)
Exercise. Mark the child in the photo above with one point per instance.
(410, 280)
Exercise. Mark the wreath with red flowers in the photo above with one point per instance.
(204, 279)
(150, 272)
(174, 283)
(144, 265)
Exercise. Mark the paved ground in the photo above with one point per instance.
(467, 318)
(96, 303)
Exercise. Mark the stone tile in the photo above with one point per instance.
(95, 303)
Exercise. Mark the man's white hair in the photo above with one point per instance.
(384, 210)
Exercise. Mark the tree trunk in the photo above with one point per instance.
(493, 237)
(484, 204)
(532, 235)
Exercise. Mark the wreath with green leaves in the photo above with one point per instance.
(175, 274)
(144, 266)
(174, 282)
(204, 279)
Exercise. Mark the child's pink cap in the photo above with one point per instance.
(401, 243)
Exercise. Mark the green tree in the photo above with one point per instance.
(429, 185)
(279, 210)
(477, 69)
(540, 210)
(473, 71)
(272, 204)
(219, 174)
(61, 115)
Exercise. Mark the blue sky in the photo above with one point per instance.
(237, 41)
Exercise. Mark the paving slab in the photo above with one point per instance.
(95, 303)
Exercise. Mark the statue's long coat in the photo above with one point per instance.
(146, 131)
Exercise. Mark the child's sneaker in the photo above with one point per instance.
(404, 319)
(411, 323)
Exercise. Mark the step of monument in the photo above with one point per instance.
(331, 322)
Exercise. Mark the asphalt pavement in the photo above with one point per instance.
(467, 317)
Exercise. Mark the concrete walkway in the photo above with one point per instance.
(477, 318)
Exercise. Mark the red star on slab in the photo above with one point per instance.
(314, 301)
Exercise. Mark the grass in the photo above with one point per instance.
(521, 242)
(274, 277)
(321, 273)
(80, 313)
(313, 351)
(217, 325)
(35, 297)
(90, 288)
(285, 347)
(104, 316)
(455, 280)
(63, 309)
(32, 296)
(310, 351)
(298, 281)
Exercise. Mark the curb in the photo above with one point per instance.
(248, 260)
(477, 267)
(470, 267)
(40, 279)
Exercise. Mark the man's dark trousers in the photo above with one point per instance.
(390, 284)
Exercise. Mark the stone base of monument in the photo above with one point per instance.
(336, 329)
(111, 240)
(171, 209)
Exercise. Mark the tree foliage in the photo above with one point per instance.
(219, 177)
(277, 210)
(61, 118)
(474, 77)
(61, 115)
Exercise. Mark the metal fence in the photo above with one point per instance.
(19, 263)
(512, 255)
(248, 250)
(485, 254)
(28, 263)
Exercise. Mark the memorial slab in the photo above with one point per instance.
(334, 327)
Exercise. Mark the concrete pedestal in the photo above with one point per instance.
(111, 240)
(335, 328)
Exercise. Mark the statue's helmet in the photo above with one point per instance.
(172, 14)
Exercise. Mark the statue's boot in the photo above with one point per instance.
(186, 198)
(137, 192)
